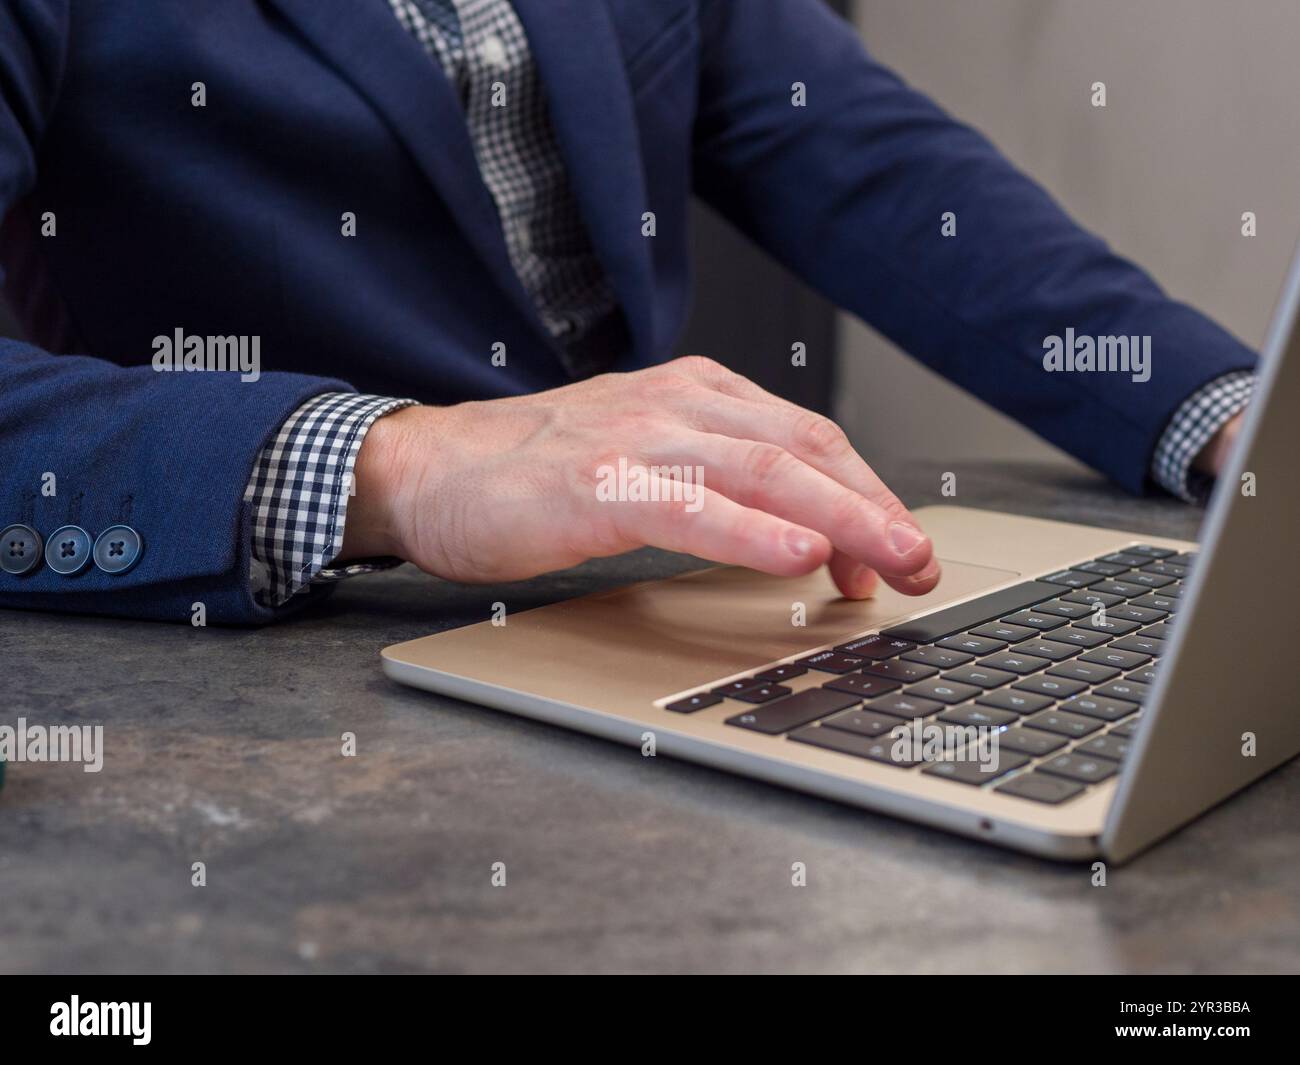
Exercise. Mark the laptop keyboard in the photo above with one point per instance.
(1063, 685)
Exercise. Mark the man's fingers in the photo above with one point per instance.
(709, 525)
(854, 579)
(807, 435)
(736, 407)
(766, 477)
(920, 582)
(717, 401)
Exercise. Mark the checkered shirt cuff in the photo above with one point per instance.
(299, 494)
(1193, 425)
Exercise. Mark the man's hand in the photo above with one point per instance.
(505, 489)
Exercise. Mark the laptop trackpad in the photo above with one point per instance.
(724, 620)
(624, 648)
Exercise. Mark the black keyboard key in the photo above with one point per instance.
(1091, 597)
(1063, 724)
(1088, 672)
(1017, 702)
(834, 739)
(1174, 591)
(1160, 631)
(1123, 689)
(764, 693)
(1126, 729)
(975, 772)
(938, 656)
(1186, 558)
(734, 686)
(863, 723)
(1166, 569)
(1076, 637)
(1030, 741)
(1071, 578)
(1149, 580)
(1064, 608)
(694, 702)
(980, 676)
(971, 644)
(1108, 746)
(979, 716)
(1039, 788)
(861, 684)
(1109, 624)
(1146, 675)
(1103, 569)
(793, 711)
(1080, 768)
(967, 615)
(1125, 559)
(955, 738)
(1099, 706)
(1131, 612)
(833, 662)
(1032, 619)
(875, 647)
(1127, 588)
(1143, 645)
(897, 669)
(1052, 687)
(1079, 639)
(1115, 658)
(1148, 552)
(1000, 630)
(1014, 663)
(1161, 601)
(1055, 652)
(785, 672)
(908, 707)
(942, 690)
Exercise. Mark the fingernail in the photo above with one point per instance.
(798, 543)
(905, 538)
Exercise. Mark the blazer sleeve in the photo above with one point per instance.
(87, 443)
(850, 191)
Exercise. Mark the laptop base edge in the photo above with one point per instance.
(1038, 842)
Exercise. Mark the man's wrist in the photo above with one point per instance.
(298, 494)
(1196, 441)
(1212, 457)
(374, 526)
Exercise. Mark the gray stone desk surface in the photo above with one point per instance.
(223, 746)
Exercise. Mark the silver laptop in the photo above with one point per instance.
(1068, 691)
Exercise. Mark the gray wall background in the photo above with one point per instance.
(1202, 123)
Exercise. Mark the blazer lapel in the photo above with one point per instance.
(582, 74)
(369, 48)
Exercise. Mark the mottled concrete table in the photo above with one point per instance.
(223, 746)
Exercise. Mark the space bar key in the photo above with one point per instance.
(989, 607)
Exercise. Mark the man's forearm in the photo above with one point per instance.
(976, 302)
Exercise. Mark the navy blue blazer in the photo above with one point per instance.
(227, 220)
